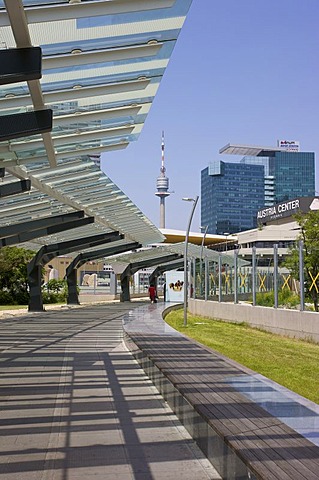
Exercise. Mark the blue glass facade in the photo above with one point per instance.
(294, 175)
(231, 194)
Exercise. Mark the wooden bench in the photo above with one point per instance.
(240, 438)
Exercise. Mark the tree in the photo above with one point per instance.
(13, 273)
(309, 233)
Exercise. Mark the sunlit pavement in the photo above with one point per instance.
(75, 404)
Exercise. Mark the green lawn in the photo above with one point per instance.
(289, 362)
(12, 307)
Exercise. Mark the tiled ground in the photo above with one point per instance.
(75, 405)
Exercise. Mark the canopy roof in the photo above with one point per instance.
(103, 61)
(177, 236)
(250, 150)
(194, 251)
(76, 185)
(102, 64)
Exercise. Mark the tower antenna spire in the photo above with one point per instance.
(162, 184)
(163, 169)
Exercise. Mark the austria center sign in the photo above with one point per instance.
(287, 209)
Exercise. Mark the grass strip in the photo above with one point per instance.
(289, 362)
(12, 307)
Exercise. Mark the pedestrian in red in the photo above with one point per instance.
(152, 293)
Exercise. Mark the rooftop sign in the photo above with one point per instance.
(289, 145)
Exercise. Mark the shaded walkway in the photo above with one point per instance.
(75, 404)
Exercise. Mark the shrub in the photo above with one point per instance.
(265, 299)
(55, 291)
(6, 298)
(286, 298)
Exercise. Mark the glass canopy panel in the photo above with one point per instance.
(107, 81)
(138, 59)
(79, 80)
(65, 100)
(87, 45)
(62, 37)
(28, 3)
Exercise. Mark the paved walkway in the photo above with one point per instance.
(75, 405)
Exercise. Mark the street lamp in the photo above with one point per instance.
(194, 200)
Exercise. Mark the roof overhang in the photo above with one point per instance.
(196, 238)
(102, 63)
(250, 150)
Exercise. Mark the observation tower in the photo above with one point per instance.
(162, 183)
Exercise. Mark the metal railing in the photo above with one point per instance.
(251, 280)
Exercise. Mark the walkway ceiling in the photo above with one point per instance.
(102, 63)
(194, 251)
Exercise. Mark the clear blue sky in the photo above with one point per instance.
(242, 71)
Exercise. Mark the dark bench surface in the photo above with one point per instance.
(270, 448)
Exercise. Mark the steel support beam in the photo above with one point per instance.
(20, 64)
(18, 228)
(25, 124)
(136, 266)
(125, 288)
(47, 252)
(27, 236)
(14, 16)
(82, 258)
(165, 268)
(14, 188)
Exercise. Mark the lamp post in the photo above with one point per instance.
(194, 200)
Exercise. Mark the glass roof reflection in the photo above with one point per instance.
(100, 75)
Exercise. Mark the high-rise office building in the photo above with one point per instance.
(231, 194)
(287, 173)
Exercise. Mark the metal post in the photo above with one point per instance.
(236, 276)
(301, 276)
(206, 279)
(94, 283)
(113, 283)
(194, 278)
(253, 275)
(201, 257)
(185, 255)
(275, 276)
(220, 277)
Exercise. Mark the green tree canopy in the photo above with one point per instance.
(309, 233)
(13, 272)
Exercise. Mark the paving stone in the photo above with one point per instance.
(76, 405)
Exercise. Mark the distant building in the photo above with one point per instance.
(287, 175)
(231, 194)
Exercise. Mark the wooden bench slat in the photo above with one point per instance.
(270, 448)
